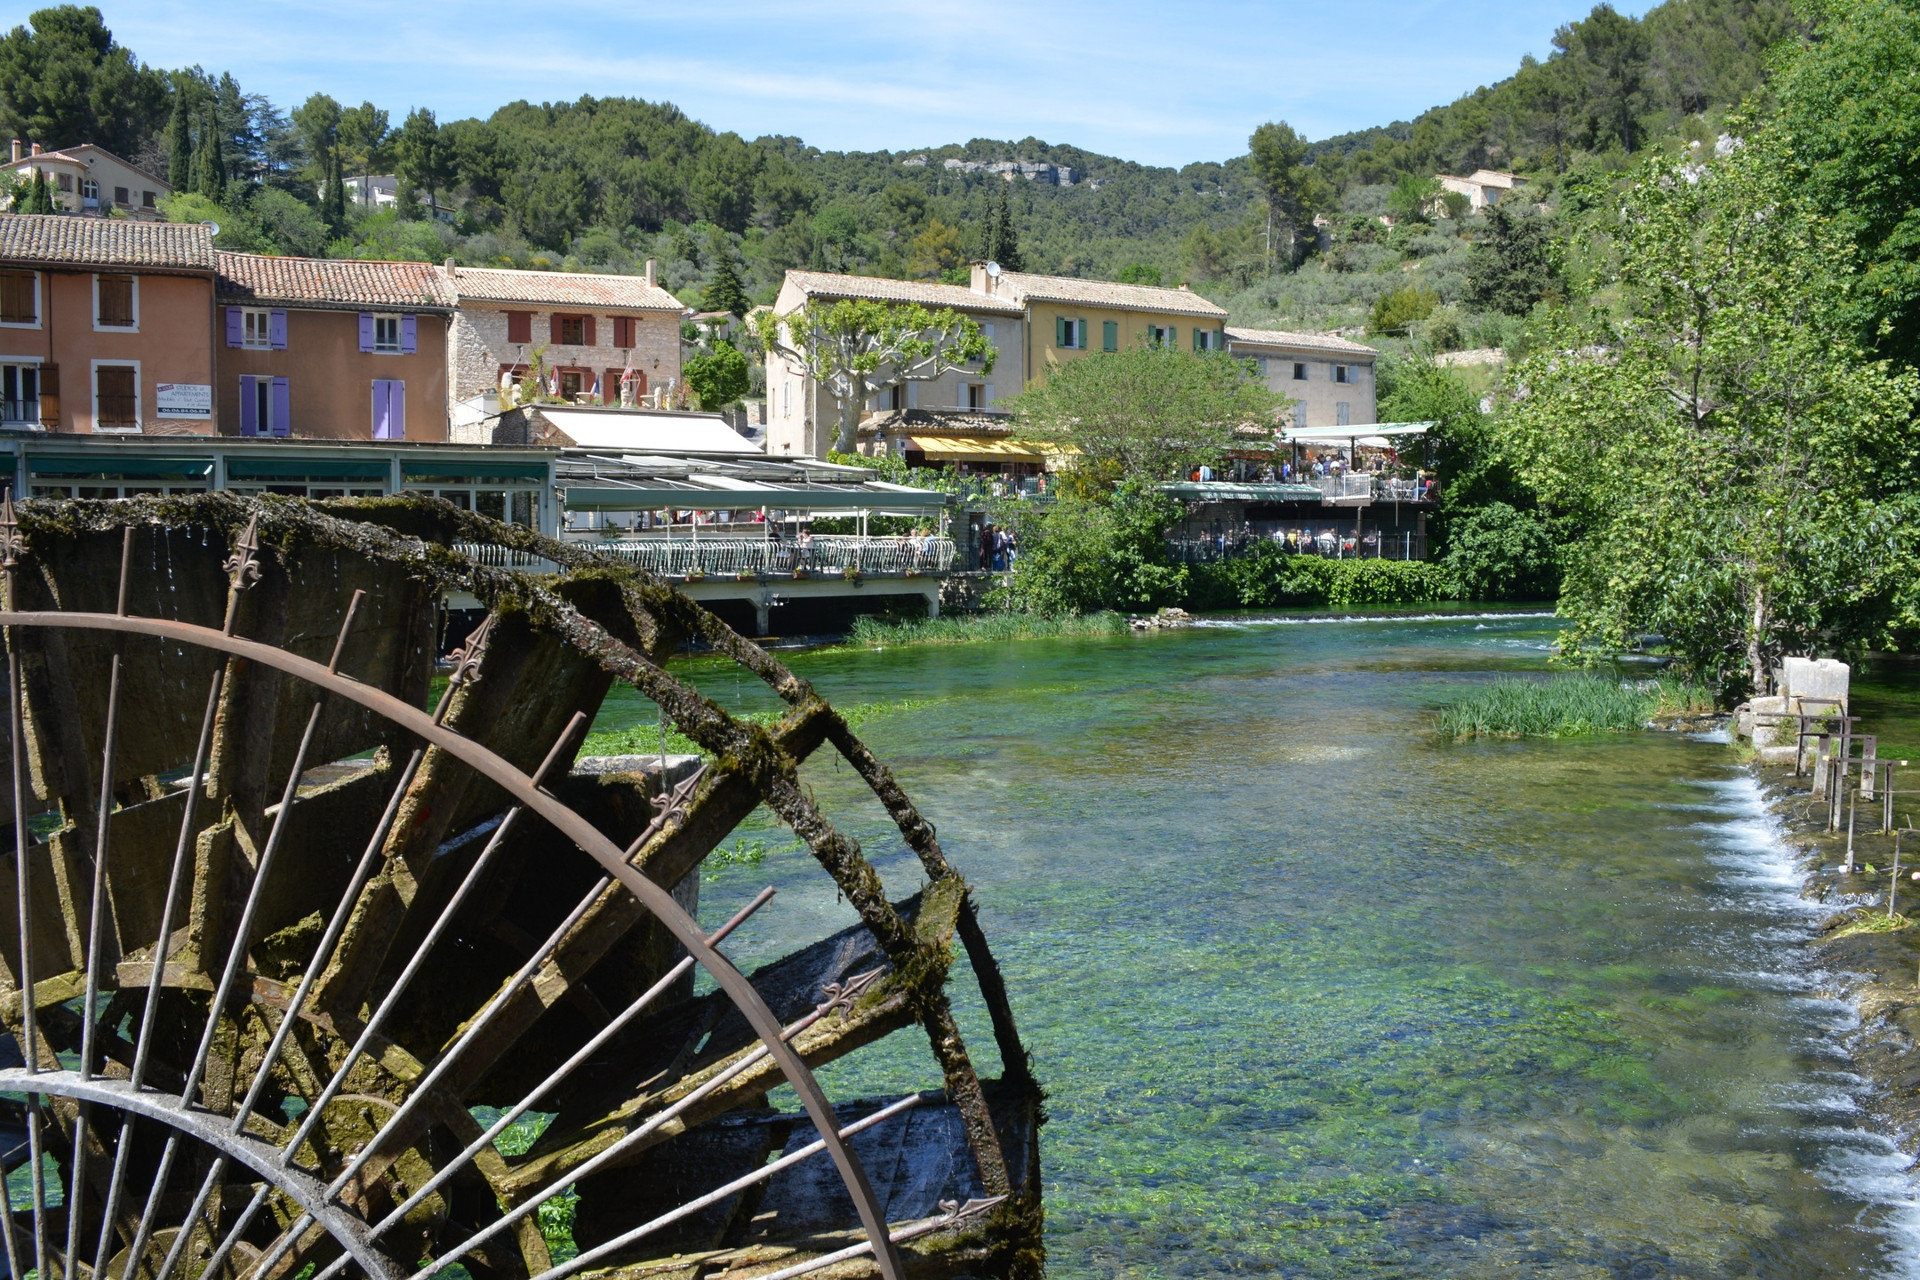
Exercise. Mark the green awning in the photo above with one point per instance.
(585, 498)
(122, 467)
(306, 469)
(453, 470)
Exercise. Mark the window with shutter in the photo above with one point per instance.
(570, 331)
(236, 321)
(1060, 332)
(19, 297)
(1109, 335)
(519, 326)
(281, 423)
(116, 398)
(366, 331)
(277, 330)
(114, 303)
(249, 405)
(586, 331)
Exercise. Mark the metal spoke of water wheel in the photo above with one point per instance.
(294, 957)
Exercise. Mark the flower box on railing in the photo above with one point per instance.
(799, 573)
(743, 576)
(696, 575)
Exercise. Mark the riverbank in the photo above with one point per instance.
(1870, 959)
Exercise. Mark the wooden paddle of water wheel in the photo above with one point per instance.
(304, 942)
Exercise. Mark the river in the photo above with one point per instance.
(1314, 995)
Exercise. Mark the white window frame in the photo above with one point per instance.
(262, 319)
(116, 328)
(1343, 373)
(23, 363)
(1210, 339)
(379, 347)
(263, 411)
(139, 409)
(1076, 335)
(39, 307)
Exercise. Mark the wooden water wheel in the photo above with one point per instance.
(306, 938)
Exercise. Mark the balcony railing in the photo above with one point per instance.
(828, 555)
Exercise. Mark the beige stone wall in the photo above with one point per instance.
(478, 346)
(1320, 394)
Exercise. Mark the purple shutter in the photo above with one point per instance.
(366, 330)
(234, 322)
(408, 334)
(282, 407)
(277, 329)
(396, 410)
(379, 408)
(249, 409)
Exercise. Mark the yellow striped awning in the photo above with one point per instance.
(988, 449)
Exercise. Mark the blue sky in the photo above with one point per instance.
(1163, 83)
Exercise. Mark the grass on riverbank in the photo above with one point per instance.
(1569, 706)
(643, 738)
(875, 633)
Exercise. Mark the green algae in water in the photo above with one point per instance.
(1314, 996)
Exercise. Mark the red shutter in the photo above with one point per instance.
(553, 329)
(519, 326)
(623, 331)
(587, 321)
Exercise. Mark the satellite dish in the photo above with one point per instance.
(212, 226)
(993, 269)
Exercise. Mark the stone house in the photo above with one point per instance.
(106, 325)
(92, 181)
(319, 349)
(803, 416)
(1326, 380)
(1483, 187)
(589, 332)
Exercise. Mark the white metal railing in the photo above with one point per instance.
(1347, 486)
(680, 557)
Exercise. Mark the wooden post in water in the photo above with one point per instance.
(1821, 748)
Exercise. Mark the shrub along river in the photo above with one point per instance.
(1316, 995)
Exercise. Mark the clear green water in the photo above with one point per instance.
(1315, 996)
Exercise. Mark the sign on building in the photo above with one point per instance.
(184, 399)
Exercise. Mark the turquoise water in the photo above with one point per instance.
(1314, 995)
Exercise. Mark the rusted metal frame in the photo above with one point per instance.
(91, 957)
(7, 1239)
(569, 824)
(243, 928)
(954, 1215)
(777, 778)
(418, 960)
(258, 1155)
(561, 1072)
(762, 1174)
(466, 663)
(837, 997)
(12, 546)
(672, 804)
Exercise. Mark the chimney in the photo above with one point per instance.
(36, 148)
(451, 268)
(653, 272)
(981, 282)
(16, 151)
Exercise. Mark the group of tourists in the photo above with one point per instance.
(998, 548)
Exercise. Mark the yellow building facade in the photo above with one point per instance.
(1069, 318)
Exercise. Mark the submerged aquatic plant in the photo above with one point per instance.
(1568, 706)
(873, 633)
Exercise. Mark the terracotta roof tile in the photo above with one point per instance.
(1298, 341)
(561, 289)
(63, 239)
(823, 284)
(1106, 293)
(328, 283)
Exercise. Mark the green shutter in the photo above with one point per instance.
(1173, 338)
(1196, 339)
(1059, 331)
(1109, 335)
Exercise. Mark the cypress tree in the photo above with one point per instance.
(209, 162)
(179, 145)
(724, 291)
(337, 194)
(40, 198)
(998, 243)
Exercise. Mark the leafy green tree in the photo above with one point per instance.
(365, 141)
(1610, 52)
(724, 291)
(1399, 311)
(1743, 473)
(179, 145)
(422, 158)
(719, 377)
(1413, 198)
(722, 188)
(997, 241)
(1144, 413)
(288, 225)
(317, 121)
(39, 196)
(857, 349)
(1099, 552)
(1277, 155)
(1848, 129)
(1512, 266)
(64, 81)
(1139, 273)
(937, 250)
(1498, 552)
